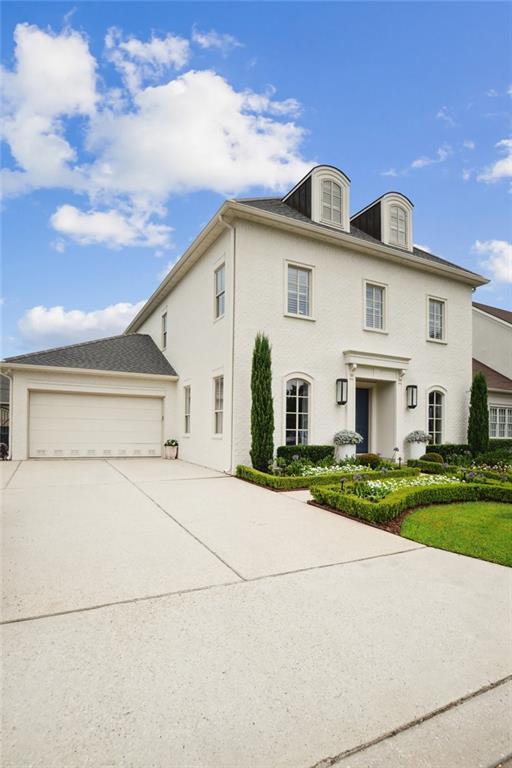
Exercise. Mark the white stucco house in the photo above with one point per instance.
(341, 297)
(492, 356)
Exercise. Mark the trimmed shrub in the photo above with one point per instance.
(262, 410)
(433, 467)
(459, 449)
(431, 456)
(492, 457)
(290, 483)
(314, 453)
(478, 425)
(369, 459)
(407, 498)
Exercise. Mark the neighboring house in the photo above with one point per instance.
(492, 356)
(347, 300)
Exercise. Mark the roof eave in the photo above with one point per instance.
(8, 367)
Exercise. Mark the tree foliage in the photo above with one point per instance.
(262, 409)
(478, 426)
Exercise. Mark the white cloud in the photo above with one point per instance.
(195, 132)
(442, 154)
(502, 168)
(509, 90)
(390, 172)
(50, 326)
(212, 39)
(499, 258)
(146, 143)
(109, 227)
(445, 116)
(491, 92)
(54, 77)
(468, 144)
(466, 174)
(138, 61)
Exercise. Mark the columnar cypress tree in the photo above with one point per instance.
(478, 426)
(262, 410)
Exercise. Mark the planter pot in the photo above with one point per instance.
(415, 450)
(170, 451)
(345, 451)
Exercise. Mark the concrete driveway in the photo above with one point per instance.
(159, 613)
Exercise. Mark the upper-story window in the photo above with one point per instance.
(375, 298)
(299, 282)
(220, 291)
(332, 201)
(398, 225)
(436, 319)
(164, 330)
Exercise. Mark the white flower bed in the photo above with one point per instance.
(348, 468)
(381, 488)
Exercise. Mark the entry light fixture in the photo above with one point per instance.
(412, 395)
(341, 391)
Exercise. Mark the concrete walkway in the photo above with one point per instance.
(162, 614)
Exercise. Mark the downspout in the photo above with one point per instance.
(232, 230)
(9, 442)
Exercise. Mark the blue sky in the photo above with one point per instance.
(127, 123)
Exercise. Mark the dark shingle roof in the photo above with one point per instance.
(276, 205)
(130, 353)
(501, 314)
(495, 379)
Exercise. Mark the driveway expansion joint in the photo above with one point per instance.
(175, 520)
(327, 762)
(11, 477)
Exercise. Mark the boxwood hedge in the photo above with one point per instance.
(407, 498)
(296, 483)
(314, 453)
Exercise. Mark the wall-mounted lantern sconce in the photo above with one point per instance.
(412, 395)
(341, 391)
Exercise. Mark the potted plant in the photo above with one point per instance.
(416, 442)
(171, 449)
(345, 441)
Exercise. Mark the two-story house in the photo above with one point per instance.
(368, 332)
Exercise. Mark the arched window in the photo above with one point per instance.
(435, 416)
(331, 201)
(398, 225)
(297, 412)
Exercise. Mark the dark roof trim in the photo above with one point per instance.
(378, 200)
(496, 381)
(315, 168)
(497, 312)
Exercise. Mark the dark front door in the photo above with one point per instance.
(363, 418)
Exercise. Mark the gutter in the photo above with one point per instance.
(6, 368)
(9, 442)
(232, 230)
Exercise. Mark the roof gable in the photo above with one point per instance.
(501, 314)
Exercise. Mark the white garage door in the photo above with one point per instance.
(67, 424)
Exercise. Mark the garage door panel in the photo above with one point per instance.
(70, 424)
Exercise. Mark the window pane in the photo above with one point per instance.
(297, 410)
(298, 291)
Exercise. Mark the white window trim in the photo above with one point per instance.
(216, 317)
(311, 269)
(385, 286)
(185, 433)
(444, 392)
(163, 333)
(445, 320)
(505, 408)
(218, 375)
(310, 381)
(330, 174)
(394, 198)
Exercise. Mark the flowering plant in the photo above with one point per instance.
(418, 436)
(347, 437)
(171, 443)
(373, 490)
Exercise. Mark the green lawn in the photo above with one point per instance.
(477, 528)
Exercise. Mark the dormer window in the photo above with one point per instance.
(332, 200)
(398, 226)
